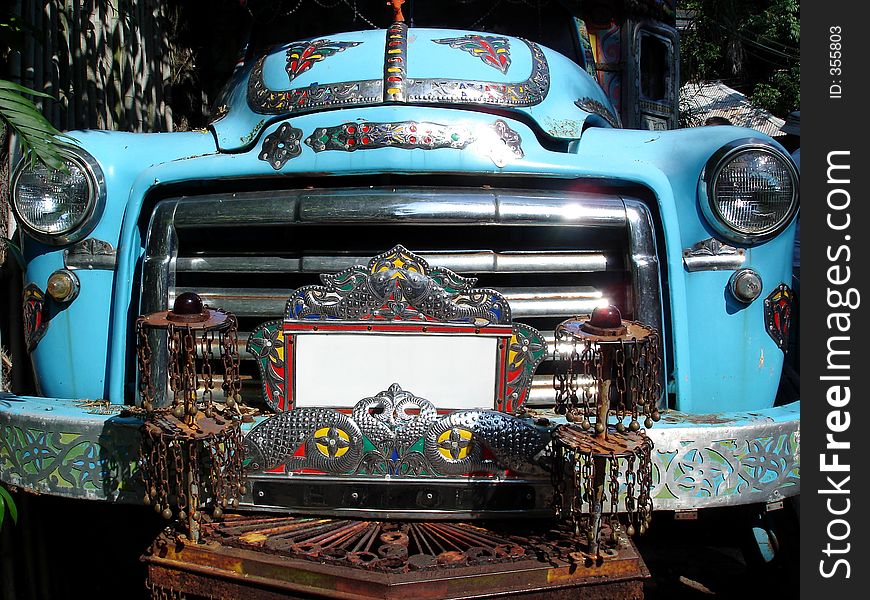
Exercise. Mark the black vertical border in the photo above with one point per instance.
(834, 122)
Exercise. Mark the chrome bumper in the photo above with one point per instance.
(86, 449)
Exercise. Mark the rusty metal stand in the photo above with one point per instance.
(252, 557)
(607, 374)
(191, 450)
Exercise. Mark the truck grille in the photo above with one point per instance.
(553, 254)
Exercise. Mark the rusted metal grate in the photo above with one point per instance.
(256, 556)
(387, 546)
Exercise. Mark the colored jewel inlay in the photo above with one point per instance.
(405, 135)
(394, 76)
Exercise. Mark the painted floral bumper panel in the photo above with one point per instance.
(735, 462)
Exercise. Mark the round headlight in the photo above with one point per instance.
(56, 206)
(752, 191)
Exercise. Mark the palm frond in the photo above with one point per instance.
(6, 503)
(39, 139)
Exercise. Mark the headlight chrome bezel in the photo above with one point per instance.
(96, 198)
(709, 177)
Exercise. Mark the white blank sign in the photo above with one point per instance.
(339, 370)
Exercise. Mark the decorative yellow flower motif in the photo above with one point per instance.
(454, 443)
(332, 442)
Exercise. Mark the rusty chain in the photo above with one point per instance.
(191, 460)
(143, 360)
(627, 369)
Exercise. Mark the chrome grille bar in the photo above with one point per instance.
(471, 262)
(576, 236)
(552, 302)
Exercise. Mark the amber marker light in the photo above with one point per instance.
(63, 285)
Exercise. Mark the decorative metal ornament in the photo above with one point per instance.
(607, 370)
(493, 51)
(498, 141)
(310, 98)
(281, 146)
(90, 253)
(595, 107)
(188, 320)
(511, 144)
(777, 315)
(526, 350)
(407, 135)
(395, 62)
(396, 87)
(188, 469)
(396, 287)
(191, 451)
(302, 56)
(35, 317)
(395, 434)
(463, 442)
(528, 92)
(266, 343)
(399, 285)
(713, 255)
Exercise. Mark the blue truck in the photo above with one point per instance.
(539, 155)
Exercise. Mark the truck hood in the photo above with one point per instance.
(411, 66)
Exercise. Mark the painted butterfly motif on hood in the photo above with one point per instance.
(301, 56)
(494, 51)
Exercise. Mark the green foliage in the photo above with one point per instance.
(39, 139)
(782, 95)
(752, 45)
(6, 503)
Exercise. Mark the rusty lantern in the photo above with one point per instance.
(608, 386)
(191, 447)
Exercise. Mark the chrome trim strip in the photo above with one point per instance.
(524, 302)
(644, 264)
(420, 205)
(158, 279)
(90, 254)
(471, 262)
(645, 275)
(713, 255)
